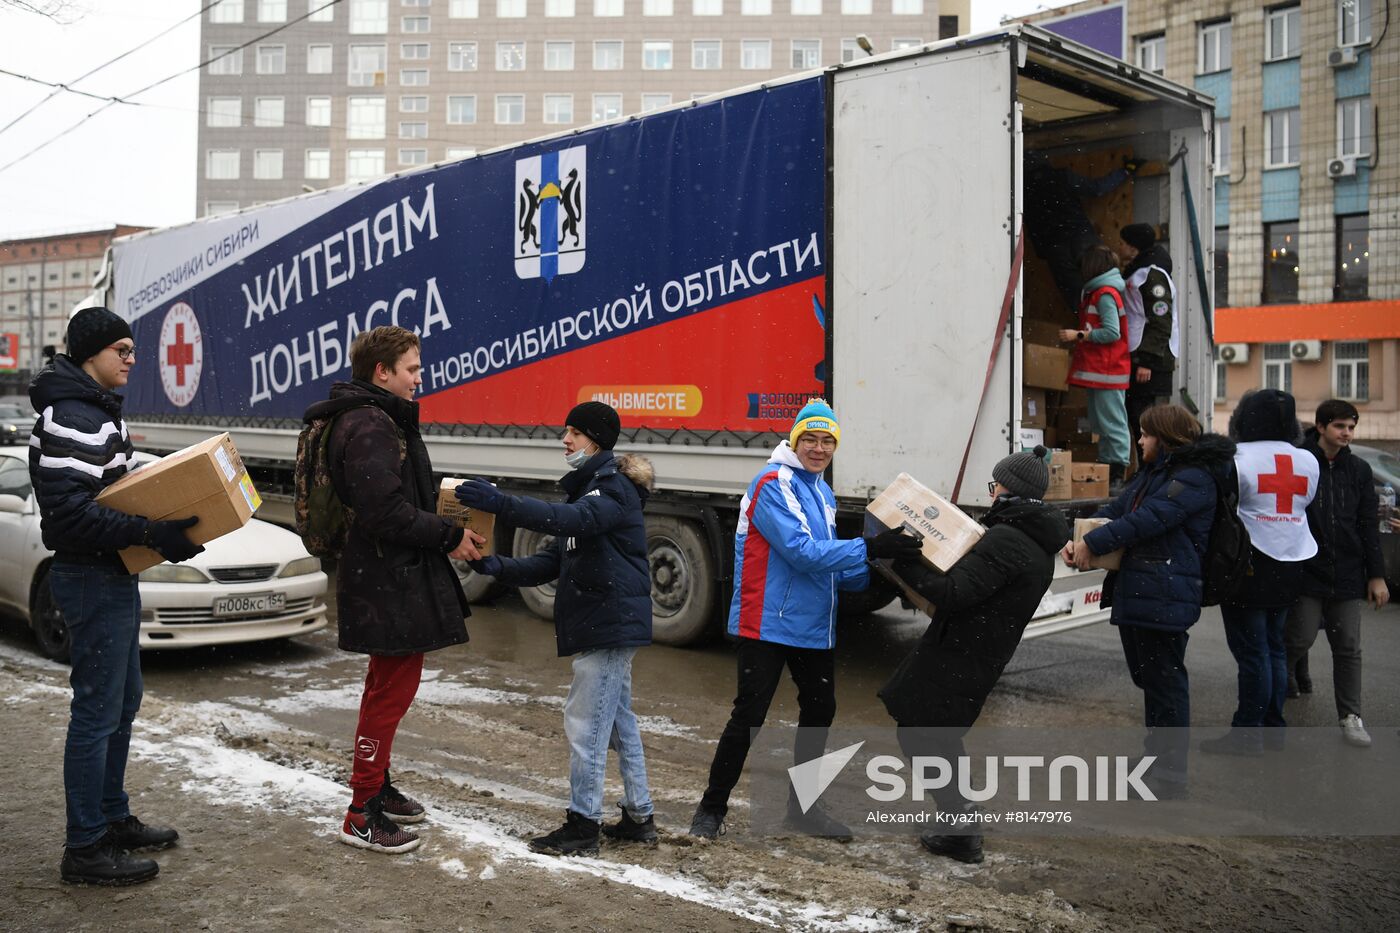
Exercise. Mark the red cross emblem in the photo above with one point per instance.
(1283, 484)
(180, 354)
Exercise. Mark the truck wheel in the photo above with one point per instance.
(50, 631)
(538, 599)
(857, 605)
(682, 581)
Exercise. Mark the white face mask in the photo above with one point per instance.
(577, 459)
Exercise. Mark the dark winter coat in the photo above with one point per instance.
(396, 591)
(982, 605)
(80, 447)
(1342, 518)
(1162, 521)
(598, 555)
(1154, 350)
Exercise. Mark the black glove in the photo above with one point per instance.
(169, 540)
(489, 566)
(481, 495)
(893, 543)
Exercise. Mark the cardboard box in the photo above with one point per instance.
(1031, 438)
(1072, 424)
(1033, 411)
(1060, 484)
(206, 479)
(946, 531)
(483, 523)
(1089, 490)
(1082, 526)
(1045, 333)
(1085, 452)
(1044, 367)
(1088, 472)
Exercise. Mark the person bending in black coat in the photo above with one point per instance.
(982, 605)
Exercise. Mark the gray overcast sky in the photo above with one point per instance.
(130, 164)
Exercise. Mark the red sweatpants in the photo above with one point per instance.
(390, 686)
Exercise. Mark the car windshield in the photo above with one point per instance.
(14, 411)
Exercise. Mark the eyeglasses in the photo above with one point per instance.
(992, 488)
(811, 443)
(125, 354)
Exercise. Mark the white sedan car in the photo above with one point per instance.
(255, 583)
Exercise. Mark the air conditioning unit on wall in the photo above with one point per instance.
(1307, 351)
(1341, 167)
(1234, 353)
(1343, 57)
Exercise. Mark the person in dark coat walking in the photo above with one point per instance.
(396, 592)
(602, 615)
(1348, 569)
(1162, 523)
(983, 604)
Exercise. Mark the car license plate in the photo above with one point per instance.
(251, 604)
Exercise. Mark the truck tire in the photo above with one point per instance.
(682, 581)
(477, 588)
(538, 599)
(50, 631)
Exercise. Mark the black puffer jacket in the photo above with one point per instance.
(1343, 520)
(982, 606)
(396, 591)
(598, 555)
(79, 448)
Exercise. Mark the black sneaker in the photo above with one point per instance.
(397, 806)
(105, 863)
(578, 836)
(816, 822)
(627, 829)
(371, 829)
(960, 848)
(707, 823)
(132, 834)
(1304, 682)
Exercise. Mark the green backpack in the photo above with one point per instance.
(322, 519)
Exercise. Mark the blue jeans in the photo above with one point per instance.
(598, 716)
(1255, 637)
(102, 609)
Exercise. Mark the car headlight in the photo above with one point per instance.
(172, 573)
(300, 566)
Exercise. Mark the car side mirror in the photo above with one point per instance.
(14, 504)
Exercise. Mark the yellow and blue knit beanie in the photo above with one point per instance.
(816, 415)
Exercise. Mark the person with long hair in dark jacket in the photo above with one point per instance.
(1162, 523)
(1277, 482)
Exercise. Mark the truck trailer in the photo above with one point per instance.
(854, 233)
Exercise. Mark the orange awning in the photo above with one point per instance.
(1339, 320)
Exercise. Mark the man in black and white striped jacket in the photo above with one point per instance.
(79, 447)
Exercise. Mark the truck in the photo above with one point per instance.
(853, 233)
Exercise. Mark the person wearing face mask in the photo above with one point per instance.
(602, 615)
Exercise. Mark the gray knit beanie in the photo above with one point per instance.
(1024, 474)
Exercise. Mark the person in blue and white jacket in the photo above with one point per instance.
(788, 566)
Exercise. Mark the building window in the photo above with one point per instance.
(369, 16)
(269, 111)
(756, 7)
(707, 8)
(416, 2)
(948, 27)
(461, 108)
(1213, 47)
(755, 54)
(364, 118)
(806, 53)
(463, 9)
(221, 164)
(226, 11)
(1281, 142)
(1221, 369)
(272, 59)
(856, 7)
(267, 164)
(1353, 265)
(559, 56)
(558, 7)
(413, 105)
(1353, 22)
(850, 50)
(706, 54)
(806, 7)
(414, 130)
(652, 102)
(224, 112)
(319, 59)
(225, 60)
(413, 157)
(318, 111)
(909, 43)
(461, 56)
(1152, 53)
(607, 7)
(272, 11)
(510, 9)
(211, 209)
(414, 51)
(413, 77)
(907, 7)
(1222, 267)
(363, 164)
(559, 108)
(1354, 127)
(1351, 370)
(318, 164)
(607, 55)
(656, 54)
(510, 108)
(606, 107)
(1281, 263)
(1278, 367)
(321, 11)
(1222, 147)
(367, 65)
(455, 152)
(658, 8)
(510, 56)
(1281, 37)
(410, 25)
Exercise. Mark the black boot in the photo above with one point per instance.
(1300, 673)
(627, 829)
(578, 836)
(132, 834)
(105, 863)
(960, 848)
(816, 822)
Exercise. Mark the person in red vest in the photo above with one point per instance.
(1101, 363)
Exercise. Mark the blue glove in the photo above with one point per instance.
(488, 566)
(479, 494)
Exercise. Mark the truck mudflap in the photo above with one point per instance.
(1073, 601)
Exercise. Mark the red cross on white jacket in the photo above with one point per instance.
(1277, 481)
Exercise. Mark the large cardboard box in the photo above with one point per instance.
(1033, 413)
(1044, 367)
(483, 523)
(1060, 484)
(946, 532)
(206, 479)
(1111, 561)
(1045, 333)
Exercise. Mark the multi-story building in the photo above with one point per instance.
(1307, 189)
(364, 87)
(42, 279)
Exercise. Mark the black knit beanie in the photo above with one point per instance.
(1139, 236)
(1265, 415)
(597, 421)
(1024, 474)
(92, 330)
